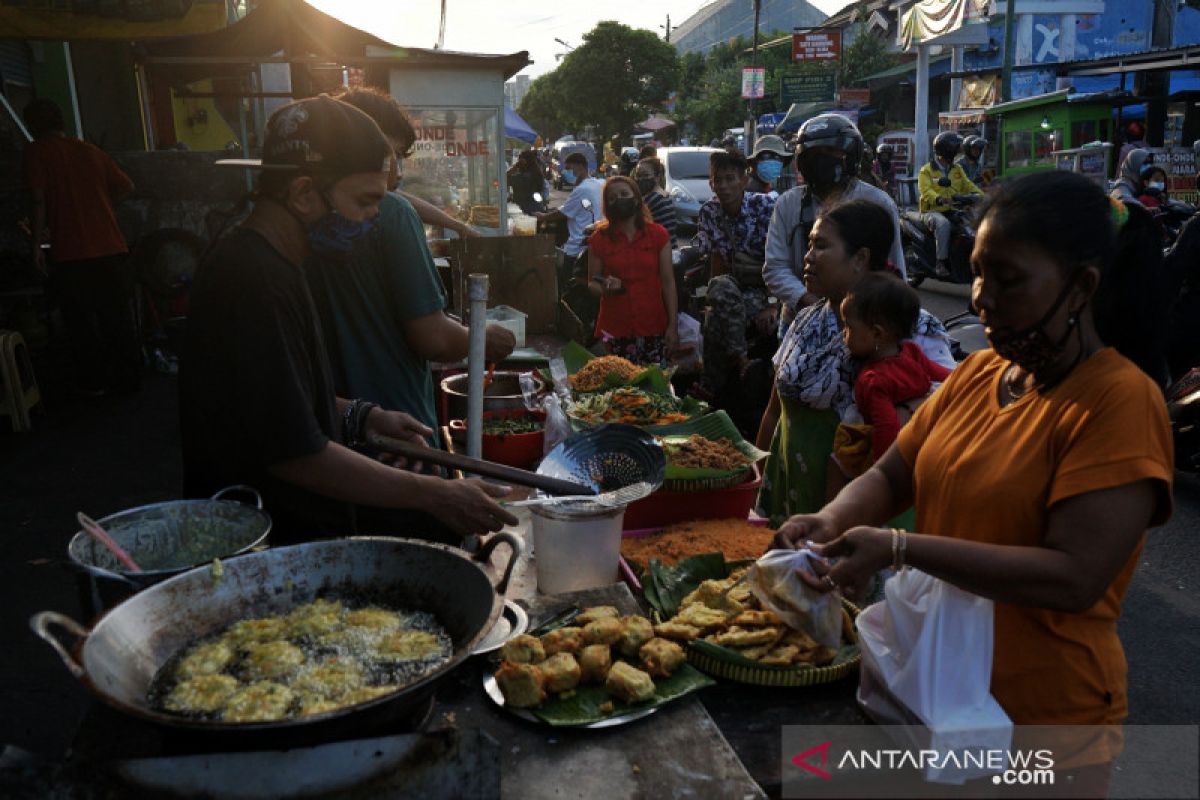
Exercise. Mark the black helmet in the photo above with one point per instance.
(832, 130)
(946, 144)
(885, 148)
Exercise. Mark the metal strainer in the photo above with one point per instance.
(621, 462)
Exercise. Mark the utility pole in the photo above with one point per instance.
(752, 123)
(1010, 19)
(668, 29)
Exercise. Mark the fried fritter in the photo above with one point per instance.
(207, 659)
(677, 631)
(203, 694)
(756, 652)
(636, 631)
(313, 620)
(781, 656)
(700, 616)
(331, 678)
(522, 685)
(563, 640)
(409, 645)
(596, 612)
(258, 702)
(316, 704)
(751, 618)
(375, 619)
(365, 693)
(740, 637)
(271, 660)
(523, 649)
(594, 662)
(629, 683)
(606, 630)
(661, 657)
(561, 671)
(824, 655)
(248, 631)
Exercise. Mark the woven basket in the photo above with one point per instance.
(709, 484)
(735, 668)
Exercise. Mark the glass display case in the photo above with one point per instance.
(455, 162)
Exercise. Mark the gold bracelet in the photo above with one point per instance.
(899, 546)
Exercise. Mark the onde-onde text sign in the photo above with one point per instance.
(812, 88)
(817, 46)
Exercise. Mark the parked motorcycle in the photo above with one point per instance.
(578, 309)
(920, 248)
(1183, 408)
(1171, 217)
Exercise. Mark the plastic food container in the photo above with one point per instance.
(576, 550)
(665, 507)
(511, 318)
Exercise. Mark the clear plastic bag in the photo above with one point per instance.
(558, 426)
(691, 343)
(776, 584)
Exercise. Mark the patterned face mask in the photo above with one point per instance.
(334, 234)
(1032, 348)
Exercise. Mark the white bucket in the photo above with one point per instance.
(574, 551)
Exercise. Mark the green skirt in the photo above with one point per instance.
(794, 477)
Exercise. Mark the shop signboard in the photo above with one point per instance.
(820, 87)
(1180, 165)
(816, 46)
(902, 147)
(754, 81)
(853, 97)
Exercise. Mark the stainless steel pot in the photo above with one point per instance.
(118, 658)
(504, 392)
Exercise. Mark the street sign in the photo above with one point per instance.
(817, 46)
(754, 82)
(811, 88)
(853, 97)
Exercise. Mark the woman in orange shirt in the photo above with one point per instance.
(1035, 469)
(629, 269)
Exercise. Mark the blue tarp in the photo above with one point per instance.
(518, 128)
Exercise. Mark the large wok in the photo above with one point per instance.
(119, 657)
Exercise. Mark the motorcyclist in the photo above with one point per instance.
(971, 160)
(577, 214)
(767, 163)
(525, 179)
(883, 169)
(1154, 186)
(1129, 185)
(939, 182)
(829, 151)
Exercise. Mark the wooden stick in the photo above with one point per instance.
(91, 526)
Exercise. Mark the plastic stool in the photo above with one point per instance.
(21, 391)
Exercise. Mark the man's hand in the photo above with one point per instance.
(611, 283)
(802, 528)
(500, 343)
(671, 340)
(767, 320)
(467, 232)
(467, 506)
(381, 425)
(942, 201)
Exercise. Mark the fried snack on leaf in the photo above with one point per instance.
(700, 616)
(594, 662)
(523, 649)
(635, 632)
(740, 637)
(606, 630)
(824, 655)
(677, 631)
(629, 683)
(522, 685)
(780, 656)
(752, 618)
(563, 640)
(756, 652)
(596, 612)
(661, 657)
(848, 633)
(561, 671)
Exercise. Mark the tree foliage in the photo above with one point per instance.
(616, 78)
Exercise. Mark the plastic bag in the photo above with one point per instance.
(558, 426)
(927, 661)
(776, 584)
(691, 344)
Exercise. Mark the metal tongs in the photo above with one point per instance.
(617, 497)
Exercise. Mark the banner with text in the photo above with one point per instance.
(817, 46)
(754, 82)
(811, 88)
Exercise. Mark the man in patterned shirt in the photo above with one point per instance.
(732, 232)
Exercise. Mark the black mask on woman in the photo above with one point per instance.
(1032, 348)
(646, 185)
(622, 208)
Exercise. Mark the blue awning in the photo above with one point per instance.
(518, 128)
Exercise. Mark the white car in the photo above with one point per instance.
(686, 181)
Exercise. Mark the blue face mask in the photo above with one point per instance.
(769, 171)
(334, 234)
(569, 177)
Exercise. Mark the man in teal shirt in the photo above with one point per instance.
(382, 308)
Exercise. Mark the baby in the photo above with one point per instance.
(879, 315)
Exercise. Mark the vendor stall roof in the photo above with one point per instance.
(655, 124)
(937, 67)
(1114, 97)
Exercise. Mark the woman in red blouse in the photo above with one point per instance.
(629, 269)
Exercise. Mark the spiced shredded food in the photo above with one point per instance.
(737, 539)
(700, 452)
(594, 374)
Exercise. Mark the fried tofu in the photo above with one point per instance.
(742, 637)
(677, 631)
(628, 683)
(594, 662)
(635, 632)
(596, 612)
(606, 630)
(523, 649)
(561, 671)
(661, 657)
(522, 685)
(563, 640)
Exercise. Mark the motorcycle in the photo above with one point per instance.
(578, 309)
(1183, 409)
(920, 248)
(1171, 217)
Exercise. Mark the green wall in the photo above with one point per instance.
(52, 79)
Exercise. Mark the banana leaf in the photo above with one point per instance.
(847, 652)
(583, 707)
(667, 585)
(715, 426)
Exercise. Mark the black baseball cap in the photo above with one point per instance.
(320, 135)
